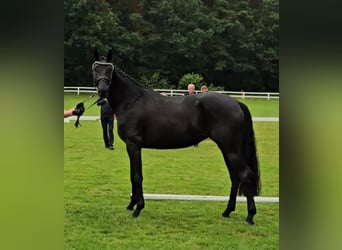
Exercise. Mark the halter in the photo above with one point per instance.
(103, 77)
(102, 63)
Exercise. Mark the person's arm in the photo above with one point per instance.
(77, 110)
(69, 112)
(101, 102)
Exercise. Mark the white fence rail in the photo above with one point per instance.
(175, 92)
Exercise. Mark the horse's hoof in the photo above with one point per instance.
(136, 213)
(226, 213)
(250, 221)
(129, 208)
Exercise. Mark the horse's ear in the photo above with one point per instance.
(109, 55)
(96, 55)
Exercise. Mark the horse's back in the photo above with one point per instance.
(220, 107)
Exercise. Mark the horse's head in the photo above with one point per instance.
(102, 73)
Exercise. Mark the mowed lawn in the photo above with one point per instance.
(97, 188)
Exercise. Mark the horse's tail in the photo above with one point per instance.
(252, 173)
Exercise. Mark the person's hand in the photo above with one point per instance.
(79, 109)
(100, 102)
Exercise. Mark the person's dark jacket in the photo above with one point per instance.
(106, 110)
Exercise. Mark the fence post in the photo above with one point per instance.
(268, 96)
(78, 90)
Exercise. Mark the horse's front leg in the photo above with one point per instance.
(137, 198)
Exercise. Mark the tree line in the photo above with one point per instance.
(229, 43)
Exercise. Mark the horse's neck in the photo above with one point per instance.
(124, 92)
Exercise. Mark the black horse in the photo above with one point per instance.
(147, 119)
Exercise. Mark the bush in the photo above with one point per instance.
(155, 81)
(196, 79)
(211, 87)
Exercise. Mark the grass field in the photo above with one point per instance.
(97, 188)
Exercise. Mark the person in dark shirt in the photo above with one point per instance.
(107, 122)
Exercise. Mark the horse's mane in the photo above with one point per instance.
(124, 74)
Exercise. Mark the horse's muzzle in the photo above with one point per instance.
(102, 86)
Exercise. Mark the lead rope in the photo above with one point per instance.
(80, 110)
(80, 106)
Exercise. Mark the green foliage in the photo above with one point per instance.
(196, 79)
(231, 43)
(211, 87)
(89, 25)
(155, 81)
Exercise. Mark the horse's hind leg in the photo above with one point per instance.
(233, 190)
(238, 171)
(232, 199)
(248, 191)
(251, 209)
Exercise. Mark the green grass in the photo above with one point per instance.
(262, 107)
(97, 188)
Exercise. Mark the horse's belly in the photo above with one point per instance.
(171, 138)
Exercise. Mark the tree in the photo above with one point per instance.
(178, 31)
(230, 43)
(155, 81)
(88, 25)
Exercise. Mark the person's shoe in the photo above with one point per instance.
(111, 147)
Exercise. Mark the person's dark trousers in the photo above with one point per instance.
(107, 128)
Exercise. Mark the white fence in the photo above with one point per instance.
(175, 92)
